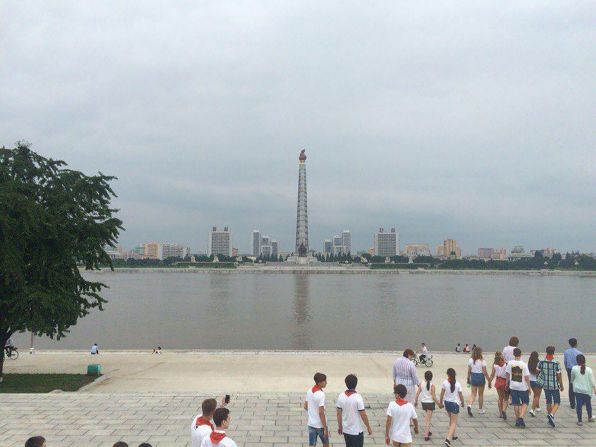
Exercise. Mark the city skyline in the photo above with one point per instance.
(473, 124)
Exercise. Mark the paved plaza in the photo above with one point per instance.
(263, 420)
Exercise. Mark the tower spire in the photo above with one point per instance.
(302, 209)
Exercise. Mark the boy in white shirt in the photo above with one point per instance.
(399, 415)
(518, 377)
(314, 404)
(202, 426)
(350, 409)
(218, 437)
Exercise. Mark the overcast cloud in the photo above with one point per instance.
(472, 121)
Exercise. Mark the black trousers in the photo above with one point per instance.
(354, 440)
(571, 393)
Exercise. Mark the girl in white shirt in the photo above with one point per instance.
(536, 390)
(453, 397)
(428, 398)
(477, 377)
(499, 371)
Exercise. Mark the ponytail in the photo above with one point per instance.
(451, 378)
(581, 361)
(428, 376)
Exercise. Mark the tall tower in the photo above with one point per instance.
(302, 209)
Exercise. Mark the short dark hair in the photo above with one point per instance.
(550, 350)
(35, 441)
(319, 377)
(351, 381)
(408, 352)
(145, 444)
(120, 444)
(573, 342)
(400, 390)
(208, 406)
(220, 415)
(517, 352)
(513, 341)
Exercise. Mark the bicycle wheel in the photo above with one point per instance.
(429, 363)
(14, 354)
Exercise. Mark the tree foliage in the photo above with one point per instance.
(52, 219)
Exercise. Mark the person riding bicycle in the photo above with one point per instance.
(423, 353)
(9, 345)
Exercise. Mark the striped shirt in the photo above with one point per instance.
(404, 372)
(547, 377)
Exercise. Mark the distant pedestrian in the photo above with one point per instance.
(36, 441)
(466, 348)
(569, 357)
(428, 398)
(499, 373)
(400, 414)
(94, 349)
(351, 414)
(536, 390)
(202, 426)
(314, 404)
(508, 350)
(404, 373)
(584, 388)
(218, 436)
(157, 350)
(518, 378)
(452, 396)
(549, 379)
(458, 348)
(477, 378)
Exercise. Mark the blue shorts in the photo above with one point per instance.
(314, 433)
(552, 396)
(451, 407)
(519, 398)
(534, 384)
(477, 379)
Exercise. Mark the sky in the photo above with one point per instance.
(471, 121)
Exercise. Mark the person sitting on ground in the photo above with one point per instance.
(423, 352)
(458, 348)
(202, 426)
(314, 404)
(218, 437)
(157, 350)
(404, 372)
(94, 349)
(508, 350)
(120, 444)
(400, 414)
(36, 441)
(518, 377)
(549, 379)
(350, 412)
(466, 348)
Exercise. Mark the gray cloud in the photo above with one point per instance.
(473, 122)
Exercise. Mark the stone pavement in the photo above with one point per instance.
(264, 420)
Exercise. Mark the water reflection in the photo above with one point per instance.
(301, 338)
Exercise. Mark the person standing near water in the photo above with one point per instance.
(351, 414)
(570, 359)
(584, 388)
(508, 350)
(549, 379)
(477, 378)
(499, 371)
(536, 390)
(404, 373)
(453, 397)
(518, 377)
(314, 404)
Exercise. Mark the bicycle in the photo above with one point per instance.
(428, 360)
(11, 352)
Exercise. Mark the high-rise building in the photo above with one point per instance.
(415, 250)
(174, 251)
(274, 248)
(265, 240)
(386, 244)
(346, 236)
(327, 246)
(256, 243)
(152, 250)
(220, 242)
(266, 250)
(499, 254)
(139, 250)
(302, 209)
(451, 249)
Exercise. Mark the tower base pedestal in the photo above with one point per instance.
(302, 260)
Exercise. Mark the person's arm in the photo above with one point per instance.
(387, 427)
(306, 405)
(415, 420)
(417, 394)
(485, 372)
(364, 417)
(414, 374)
(560, 380)
(340, 429)
(461, 398)
(323, 421)
(469, 374)
(528, 383)
(394, 373)
(492, 374)
(442, 396)
(434, 395)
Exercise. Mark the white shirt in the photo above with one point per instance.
(425, 350)
(508, 353)
(350, 412)
(225, 442)
(477, 366)
(315, 401)
(501, 371)
(451, 396)
(518, 371)
(94, 349)
(400, 421)
(426, 395)
(197, 433)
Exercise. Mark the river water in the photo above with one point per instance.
(235, 310)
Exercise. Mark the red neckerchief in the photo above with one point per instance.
(202, 421)
(550, 357)
(217, 436)
(316, 388)
(350, 392)
(399, 401)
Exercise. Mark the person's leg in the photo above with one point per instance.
(556, 402)
(324, 440)
(480, 396)
(359, 440)
(452, 426)
(535, 399)
(312, 436)
(588, 404)
(570, 388)
(348, 440)
(578, 408)
(472, 399)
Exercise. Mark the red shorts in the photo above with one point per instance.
(501, 383)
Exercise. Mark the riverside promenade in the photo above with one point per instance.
(153, 398)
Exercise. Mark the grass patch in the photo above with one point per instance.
(43, 383)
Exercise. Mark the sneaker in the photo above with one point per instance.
(538, 410)
(551, 420)
(532, 413)
(592, 419)
(455, 438)
(504, 415)
(580, 423)
(517, 423)
(482, 411)
(522, 424)
(470, 411)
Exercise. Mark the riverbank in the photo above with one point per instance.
(236, 371)
(351, 269)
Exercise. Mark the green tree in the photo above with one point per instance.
(52, 220)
